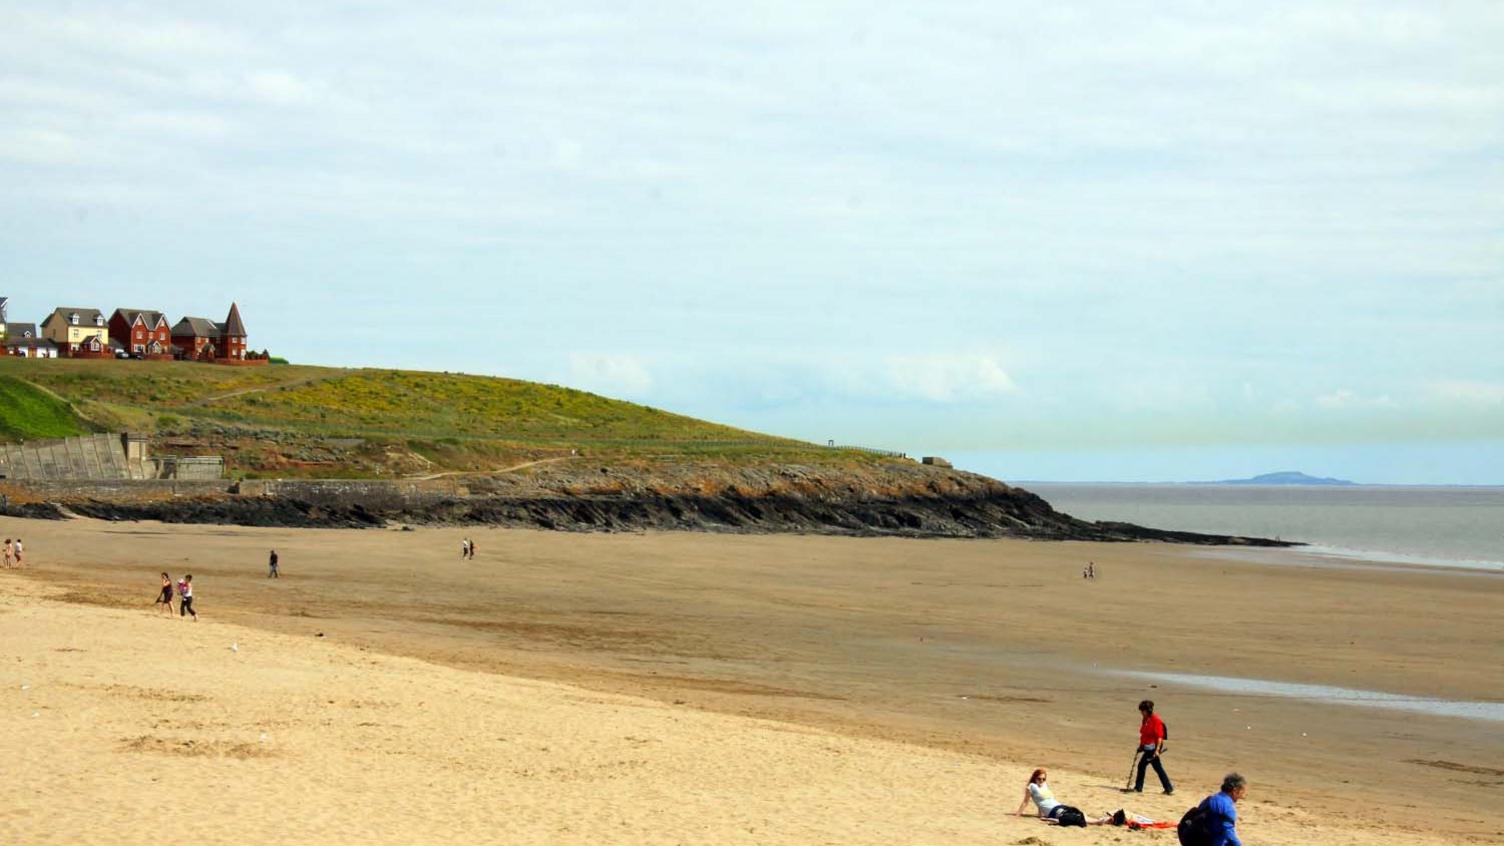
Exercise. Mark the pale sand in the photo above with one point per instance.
(914, 684)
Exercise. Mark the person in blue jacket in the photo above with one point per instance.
(1219, 812)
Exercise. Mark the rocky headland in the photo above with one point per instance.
(888, 499)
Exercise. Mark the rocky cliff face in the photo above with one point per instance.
(899, 499)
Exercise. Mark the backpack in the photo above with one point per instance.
(1071, 816)
(1192, 828)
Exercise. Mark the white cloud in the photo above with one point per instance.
(1344, 398)
(946, 377)
(1470, 392)
(610, 374)
(280, 88)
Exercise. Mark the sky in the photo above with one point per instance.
(1075, 241)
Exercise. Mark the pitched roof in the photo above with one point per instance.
(232, 326)
(152, 319)
(198, 327)
(86, 316)
(16, 330)
(17, 341)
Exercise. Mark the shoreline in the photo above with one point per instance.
(893, 639)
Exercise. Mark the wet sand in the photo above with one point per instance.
(993, 652)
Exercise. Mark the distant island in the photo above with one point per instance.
(1283, 477)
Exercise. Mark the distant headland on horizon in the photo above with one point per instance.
(1282, 477)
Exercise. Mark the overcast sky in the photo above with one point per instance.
(1079, 241)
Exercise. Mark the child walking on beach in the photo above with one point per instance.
(17, 552)
(185, 594)
(164, 598)
(10, 552)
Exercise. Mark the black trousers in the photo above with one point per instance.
(1144, 761)
(186, 607)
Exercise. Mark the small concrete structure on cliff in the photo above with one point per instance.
(103, 457)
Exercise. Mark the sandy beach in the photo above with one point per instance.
(688, 688)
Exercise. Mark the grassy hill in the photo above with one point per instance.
(290, 420)
(27, 413)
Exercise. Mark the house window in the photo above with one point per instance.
(73, 319)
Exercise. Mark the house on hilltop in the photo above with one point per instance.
(22, 340)
(201, 339)
(78, 332)
(142, 333)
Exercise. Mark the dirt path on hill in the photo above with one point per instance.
(256, 390)
(451, 473)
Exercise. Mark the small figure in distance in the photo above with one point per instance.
(271, 566)
(164, 597)
(1215, 820)
(1091, 569)
(1151, 744)
(17, 552)
(10, 551)
(471, 548)
(465, 548)
(1051, 811)
(185, 597)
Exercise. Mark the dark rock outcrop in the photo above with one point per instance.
(906, 500)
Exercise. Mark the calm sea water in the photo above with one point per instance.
(1424, 525)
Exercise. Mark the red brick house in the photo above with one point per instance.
(201, 339)
(197, 338)
(142, 333)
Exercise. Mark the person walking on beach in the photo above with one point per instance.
(1214, 822)
(164, 597)
(471, 549)
(465, 548)
(17, 551)
(1151, 745)
(271, 566)
(10, 552)
(1091, 569)
(185, 600)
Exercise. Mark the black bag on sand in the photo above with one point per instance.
(1192, 828)
(1071, 816)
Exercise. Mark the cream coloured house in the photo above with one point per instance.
(77, 331)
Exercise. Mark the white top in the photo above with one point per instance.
(1042, 797)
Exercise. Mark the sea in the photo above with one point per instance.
(1417, 525)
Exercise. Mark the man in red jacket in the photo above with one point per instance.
(1151, 743)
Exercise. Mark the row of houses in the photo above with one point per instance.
(70, 332)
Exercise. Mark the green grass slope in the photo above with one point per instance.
(300, 420)
(28, 413)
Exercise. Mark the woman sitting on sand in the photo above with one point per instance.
(1051, 811)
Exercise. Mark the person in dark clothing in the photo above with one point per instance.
(1151, 744)
(271, 566)
(185, 598)
(1219, 812)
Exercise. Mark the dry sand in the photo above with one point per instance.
(696, 688)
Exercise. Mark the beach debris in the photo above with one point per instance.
(35, 714)
(235, 646)
(262, 738)
(26, 687)
(1248, 728)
